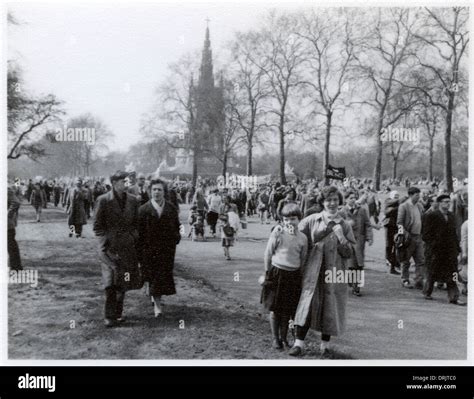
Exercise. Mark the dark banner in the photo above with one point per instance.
(335, 173)
(19, 382)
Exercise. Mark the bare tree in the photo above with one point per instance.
(250, 85)
(330, 55)
(26, 116)
(280, 57)
(444, 32)
(386, 56)
(174, 115)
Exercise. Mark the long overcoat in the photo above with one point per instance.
(75, 207)
(117, 230)
(324, 302)
(158, 237)
(441, 245)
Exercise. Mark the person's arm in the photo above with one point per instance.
(369, 233)
(100, 221)
(304, 252)
(270, 250)
(401, 216)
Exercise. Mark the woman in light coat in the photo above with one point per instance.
(322, 304)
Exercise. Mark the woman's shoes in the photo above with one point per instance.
(277, 344)
(326, 354)
(295, 351)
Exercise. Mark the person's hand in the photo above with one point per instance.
(371, 241)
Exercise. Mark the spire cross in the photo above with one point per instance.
(207, 21)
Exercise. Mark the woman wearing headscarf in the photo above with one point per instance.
(322, 304)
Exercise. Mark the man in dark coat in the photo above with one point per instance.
(116, 222)
(158, 227)
(441, 249)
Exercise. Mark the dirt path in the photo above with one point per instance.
(216, 313)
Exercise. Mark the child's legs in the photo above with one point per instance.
(275, 325)
(284, 321)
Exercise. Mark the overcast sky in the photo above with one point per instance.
(107, 59)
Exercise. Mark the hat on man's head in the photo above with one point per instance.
(119, 175)
(441, 197)
(141, 176)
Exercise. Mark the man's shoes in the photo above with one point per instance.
(394, 271)
(458, 302)
(285, 344)
(428, 297)
(406, 284)
(277, 344)
(356, 291)
(419, 285)
(121, 319)
(295, 351)
(109, 323)
(326, 354)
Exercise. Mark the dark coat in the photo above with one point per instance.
(391, 212)
(118, 235)
(75, 207)
(158, 237)
(441, 245)
(13, 206)
(38, 198)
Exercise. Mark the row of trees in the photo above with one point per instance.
(332, 77)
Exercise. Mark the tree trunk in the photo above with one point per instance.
(326, 147)
(224, 166)
(448, 167)
(195, 168)
(249, 158)
(430, 160)
(378, 162)
(394, 169)
(282, 152)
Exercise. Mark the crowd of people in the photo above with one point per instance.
(316, 228)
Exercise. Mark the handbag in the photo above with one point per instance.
(344, 251)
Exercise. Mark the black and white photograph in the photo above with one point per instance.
(237, 181)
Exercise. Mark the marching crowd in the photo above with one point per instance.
(316, 229)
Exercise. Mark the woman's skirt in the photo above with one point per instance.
(281, 291)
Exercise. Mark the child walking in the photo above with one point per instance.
(284, 256)
(227, 235)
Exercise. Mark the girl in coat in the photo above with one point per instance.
(284, 257)
(38, 200)
(322, 304)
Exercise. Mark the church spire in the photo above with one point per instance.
(206, 77)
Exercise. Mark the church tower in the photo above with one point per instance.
(209, 115)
